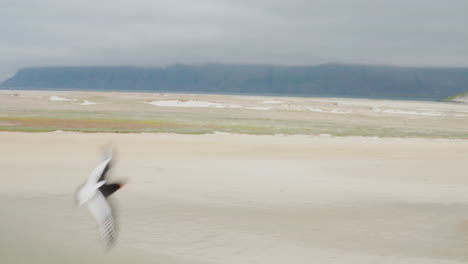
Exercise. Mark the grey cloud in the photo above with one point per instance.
(295, 32)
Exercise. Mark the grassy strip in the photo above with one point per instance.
(83, 119)
(97, 130)
(183, 125)
(265, 131)
(451, 98)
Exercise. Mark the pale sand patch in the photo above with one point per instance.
(238, 199)
(86, 102)
(262, 108)
(58, 98)
(220, 133)
(192, 103)
(189, 103)
(332, 111)
(417, 113)
(272, 102)
(406, 112)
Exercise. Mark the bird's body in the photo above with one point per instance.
(94, 195)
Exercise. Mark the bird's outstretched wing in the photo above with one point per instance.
(107, 154)
(103, 173)
(99, 172)
(102, 212)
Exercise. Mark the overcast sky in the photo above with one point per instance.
(291, 32)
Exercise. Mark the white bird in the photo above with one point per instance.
(94, 194)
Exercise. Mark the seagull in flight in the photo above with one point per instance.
(93, 193)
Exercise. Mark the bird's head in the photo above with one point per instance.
(120, 185)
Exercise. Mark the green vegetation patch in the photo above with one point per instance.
(451, 98)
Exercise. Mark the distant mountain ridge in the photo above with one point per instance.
(321, 80)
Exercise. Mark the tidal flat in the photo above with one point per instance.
(43, 111)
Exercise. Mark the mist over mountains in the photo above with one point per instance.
(321, 80)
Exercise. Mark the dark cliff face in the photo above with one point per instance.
(325, 80)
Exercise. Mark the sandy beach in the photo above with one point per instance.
(235, 179)
(45, 111)
(226, 198)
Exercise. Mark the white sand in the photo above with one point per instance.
(192, 103)
(272, 102)
(86, 102)
(262, 108)
(228, 198)
(332, 111)
(461, 99)
(58, 98)
(189, 103)
(403, 112)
